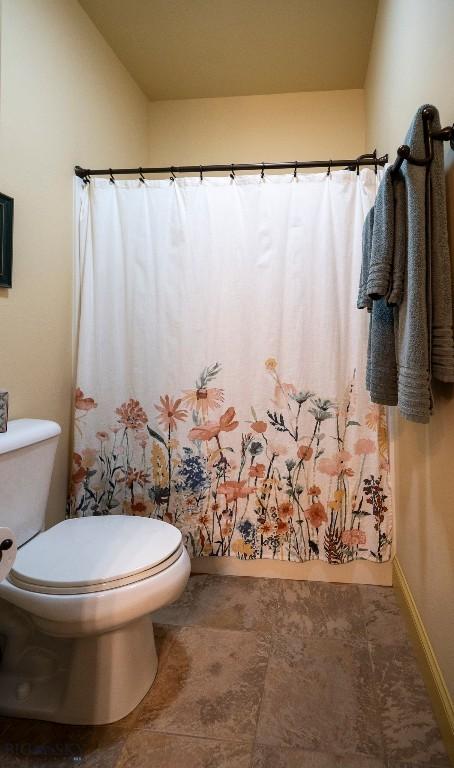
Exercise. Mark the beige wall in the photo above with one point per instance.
(412, 62)
(65, 99)
(289, 126)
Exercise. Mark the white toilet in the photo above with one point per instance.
(76, 636)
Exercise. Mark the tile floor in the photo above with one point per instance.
(262, 673)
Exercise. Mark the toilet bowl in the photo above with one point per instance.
(76, 635)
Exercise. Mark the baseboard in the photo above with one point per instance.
(441, 700)
(357, 572)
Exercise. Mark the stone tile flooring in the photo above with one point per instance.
(261, 673)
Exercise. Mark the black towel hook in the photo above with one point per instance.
(111, 180)
(141, 176)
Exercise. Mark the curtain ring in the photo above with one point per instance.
(357, 167)
(86, 179)
(141, 176)
(172, 174)
(294, 172)
(201, 173)
(329, 168)
(375, 161)
(262, 175)
(232, 172)
(111, 180)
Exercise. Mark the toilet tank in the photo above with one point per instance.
(27, 454)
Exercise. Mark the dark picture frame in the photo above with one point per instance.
(6, 240)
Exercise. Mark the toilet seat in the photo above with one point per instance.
(94, 554)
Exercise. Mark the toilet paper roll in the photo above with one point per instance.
(8, 550)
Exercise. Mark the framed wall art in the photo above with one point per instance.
(6, 240)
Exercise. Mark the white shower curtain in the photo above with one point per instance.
(220, 365)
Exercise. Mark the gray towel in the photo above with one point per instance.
(381, 256)
(409, 271)
(364, 300)
(386, 262)
(396, 288)
(381, 370)
(381, 373)
(426, 345)
(442, 340)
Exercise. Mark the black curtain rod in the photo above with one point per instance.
(368, 159)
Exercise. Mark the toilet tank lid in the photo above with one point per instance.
(23, 432)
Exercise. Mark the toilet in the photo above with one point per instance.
(76, 634)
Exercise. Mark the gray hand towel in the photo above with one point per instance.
(381, 371)
(381, 255)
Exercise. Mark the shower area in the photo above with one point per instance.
(220, 372)
(226, 382)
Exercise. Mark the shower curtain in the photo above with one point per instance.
(220, 365)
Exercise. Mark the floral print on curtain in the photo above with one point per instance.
(307, 478)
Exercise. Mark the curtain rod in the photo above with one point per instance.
(370, 159)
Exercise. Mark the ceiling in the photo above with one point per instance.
(181, 49)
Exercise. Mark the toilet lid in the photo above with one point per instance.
(93, 553)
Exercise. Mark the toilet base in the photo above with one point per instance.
(90, 680)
